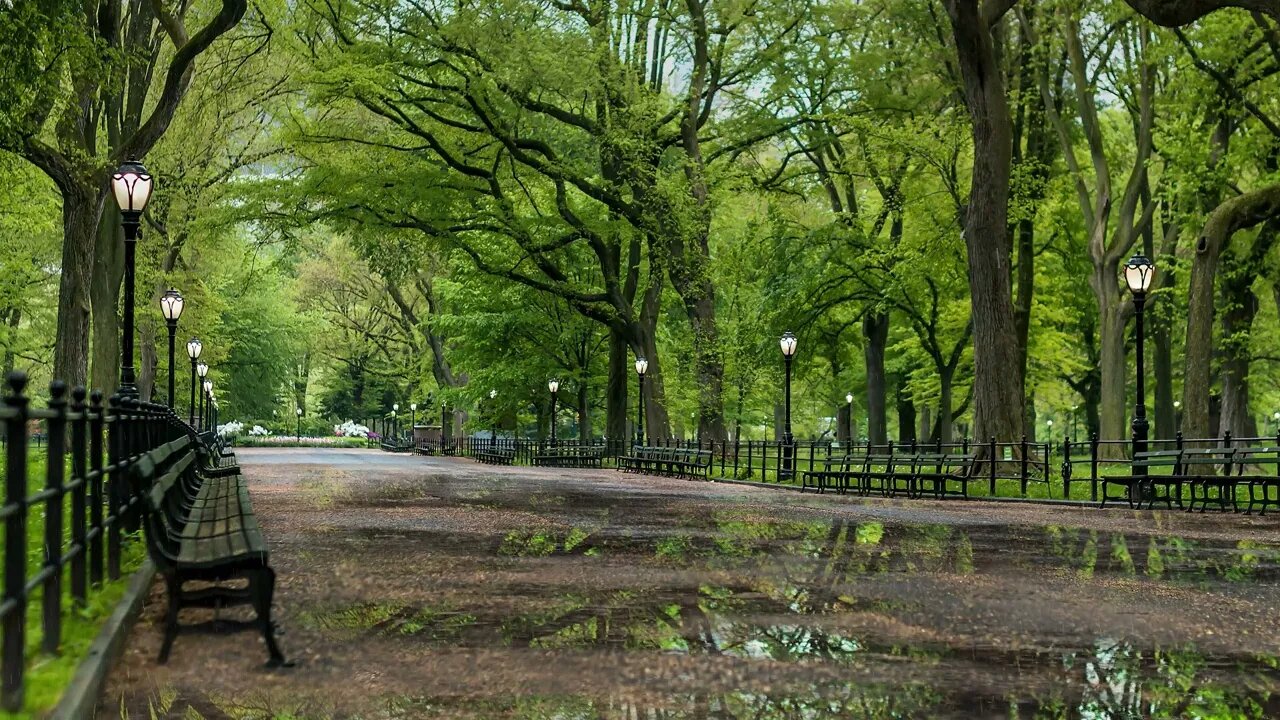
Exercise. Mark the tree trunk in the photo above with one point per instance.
(947, 379)
(1234, 214)
(998, 381)
(13, 320)
(584, 408)
(149, 353)
(1112, 371)
(81, 207)
(108, 273)
(1237, 321)
(657, 424)
(875, 327)
(906, 415)
(617, 387)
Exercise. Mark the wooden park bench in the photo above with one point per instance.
(833, 472)
(669, 461)
(200, 527)
(1258, 469)
(939, 471)
(573, 456)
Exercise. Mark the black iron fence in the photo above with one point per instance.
(1050, 470)
(65, 535)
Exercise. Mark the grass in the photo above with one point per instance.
(47, 676)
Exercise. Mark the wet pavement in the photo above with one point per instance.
(416, 587)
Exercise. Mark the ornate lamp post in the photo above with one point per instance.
(202, 370)
(493, 408)
(395, 425)
(642, 367)
(194, 346)
(131, 185)
(208, 403)
(298, 431)
(1138, 273)
(1049, 424)
(171, 308)
(554, 387)
(848, 403)
(788, 343)
(413, 418)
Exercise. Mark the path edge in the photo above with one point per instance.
(80, 699)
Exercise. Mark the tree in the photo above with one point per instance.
(79, 134)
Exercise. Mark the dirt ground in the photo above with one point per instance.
(414, 587)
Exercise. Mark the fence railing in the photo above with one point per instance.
(1066, 469)
(72, 525)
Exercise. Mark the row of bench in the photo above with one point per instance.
(1209, 475)
(570, 456)
(937, 474)
(675, 462)
(200, 527)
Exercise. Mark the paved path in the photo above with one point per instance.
(416, 587)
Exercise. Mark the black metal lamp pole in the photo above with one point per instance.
(171, 307)
(554, 386)
(297, 436)
(1138, 273)
(194, 346)
(788, 343)
(131, 184)
(848, 421)
(493, 408)
(202, 370)
(642, 367)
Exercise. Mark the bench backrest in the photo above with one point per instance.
(162, 473)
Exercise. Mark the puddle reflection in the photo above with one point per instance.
(777, 591)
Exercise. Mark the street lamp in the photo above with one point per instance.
(298, 435)
(848, 401)
(1138, 273)
(642, 367)
(493, 408)
(208, 395)
(171, 307)
(202, 370)
(194, 346)
(131, 185)
(554, 387)
(788, 344)
(395, 427)
(1177, 414)
(1049, 423)
(1276, 418)
(413, 417)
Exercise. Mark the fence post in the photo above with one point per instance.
(1024, 466)
(79, 476)
(55, 469)
(1093, 467)
(117, 456)
(993, 466)
(97, 428)
(1066, 469)
(15, 546)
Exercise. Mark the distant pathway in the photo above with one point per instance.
(436, 587)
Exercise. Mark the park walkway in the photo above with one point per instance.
(416, 587)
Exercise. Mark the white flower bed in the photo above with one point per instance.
(351, 429)
(231, 429)
(259, 431)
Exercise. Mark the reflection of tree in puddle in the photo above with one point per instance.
(1163, 557)
(779, 585)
